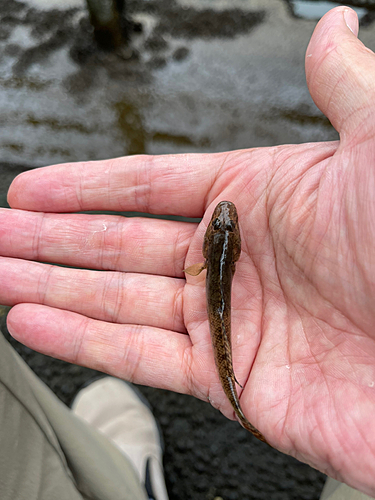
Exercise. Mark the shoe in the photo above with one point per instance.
(119, 412)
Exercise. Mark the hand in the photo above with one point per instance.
(303, 310)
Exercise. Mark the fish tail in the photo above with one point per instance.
(238, 411)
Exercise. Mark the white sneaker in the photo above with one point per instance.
(114, 408)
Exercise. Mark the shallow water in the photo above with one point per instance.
(194, 80)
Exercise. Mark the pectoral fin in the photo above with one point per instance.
(195, 269)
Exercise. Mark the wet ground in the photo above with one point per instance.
(198, 76)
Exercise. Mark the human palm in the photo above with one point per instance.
(302, 314)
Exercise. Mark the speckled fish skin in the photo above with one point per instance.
(221, 250)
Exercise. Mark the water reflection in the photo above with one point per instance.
(199, 76)
(130, 122)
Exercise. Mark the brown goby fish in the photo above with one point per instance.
(221, 250)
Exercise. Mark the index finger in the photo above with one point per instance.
(170, 184)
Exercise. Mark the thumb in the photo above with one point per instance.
(340, 73)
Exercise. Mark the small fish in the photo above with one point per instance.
(221, 250)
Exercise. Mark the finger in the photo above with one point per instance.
(340, 72)
(110, 296)
(151, 184)
(144, 355)
(96, 241)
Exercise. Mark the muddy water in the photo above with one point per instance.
(195, 79)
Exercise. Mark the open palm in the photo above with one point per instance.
(303, 293)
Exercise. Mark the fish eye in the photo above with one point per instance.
(216, 224)
(229, 226)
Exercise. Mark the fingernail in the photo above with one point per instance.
(10, 328)
(351, 20)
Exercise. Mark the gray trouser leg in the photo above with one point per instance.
(333, 490)
(46, 453)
